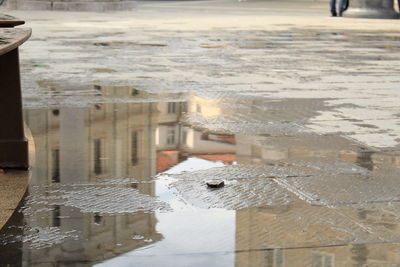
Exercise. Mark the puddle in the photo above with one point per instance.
(120, 180)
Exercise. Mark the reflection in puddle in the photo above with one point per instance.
(93, 189)
(123, 183)
(94, 198)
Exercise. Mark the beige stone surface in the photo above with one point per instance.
(13, 185)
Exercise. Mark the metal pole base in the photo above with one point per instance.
(13, 144)
(370, 13)
(372, 9)
(14, 154)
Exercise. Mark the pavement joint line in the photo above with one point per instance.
(262, 249)
(365, 228)
(302, 195)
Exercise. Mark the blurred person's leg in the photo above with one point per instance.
(342, 6)
(333, 7)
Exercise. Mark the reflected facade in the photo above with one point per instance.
(89, 145)
(103, 142)
(295, 235)
(134, 141)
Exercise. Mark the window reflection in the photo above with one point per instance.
(135, 148)
(171, 137)
(322, 259)
(274, 258)
(98, 166)
(171, 107)
(55, 165)
(56, 216)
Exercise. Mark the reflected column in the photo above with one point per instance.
(74, 161)
(73, 146)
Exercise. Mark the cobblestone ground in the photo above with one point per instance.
(133, 112)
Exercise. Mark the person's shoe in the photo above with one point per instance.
(340, 14)
(333, 15)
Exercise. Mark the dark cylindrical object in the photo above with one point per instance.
(13, 144)
(376, 9)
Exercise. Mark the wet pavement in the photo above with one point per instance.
(130, 121)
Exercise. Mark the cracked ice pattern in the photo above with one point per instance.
(103, 199)
(246, 186)
(328, 165)
(244, 171)
(250, 127)
(234, 195)
(342, 190)
(302, 225)
(41, 237)
(256, 185)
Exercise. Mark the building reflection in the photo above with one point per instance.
(81, 145)
(349, 256)
(78, 145)
(272, 236)
(141, 139)
(176, 140)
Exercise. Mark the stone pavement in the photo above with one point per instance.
(13, 186)
(12, 189)
(296, 111)
(269, 49)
